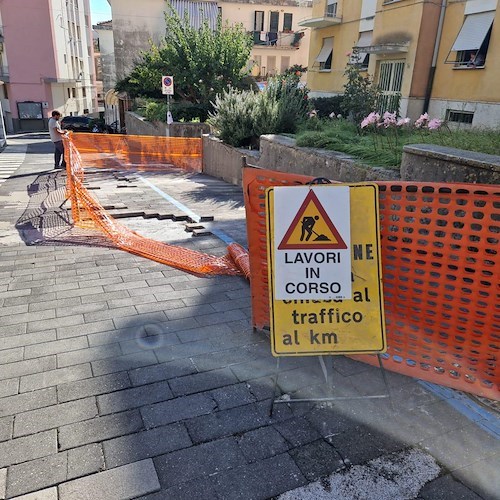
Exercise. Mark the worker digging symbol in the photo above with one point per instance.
(312, 229)
(307, 227)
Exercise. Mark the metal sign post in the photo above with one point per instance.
(167, 88)
(325, 273)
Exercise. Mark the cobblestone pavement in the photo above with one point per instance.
(123, 378)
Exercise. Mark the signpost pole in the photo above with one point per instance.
(168, 114)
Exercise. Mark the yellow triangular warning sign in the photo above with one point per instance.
(312, 229)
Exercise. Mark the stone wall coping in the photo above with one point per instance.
(457, 156)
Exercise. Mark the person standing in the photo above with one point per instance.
(56, 136)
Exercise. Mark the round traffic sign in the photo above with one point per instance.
(167, 81)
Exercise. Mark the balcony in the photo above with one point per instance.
(329, 18)
(286, 40)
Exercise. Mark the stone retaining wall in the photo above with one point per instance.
(137, 125)
(434, 163)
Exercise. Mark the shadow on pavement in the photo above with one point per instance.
(47, 221)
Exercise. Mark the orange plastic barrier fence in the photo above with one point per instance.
(440, 276)
(140, 152)
(88, 213)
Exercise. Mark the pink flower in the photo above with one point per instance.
(389, 119)
(422, 121)
(402, 122)
(371, 119)
(434, 124)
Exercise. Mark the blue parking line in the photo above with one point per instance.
(470, 409)
(194, 217)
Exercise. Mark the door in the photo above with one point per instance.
(390, 82)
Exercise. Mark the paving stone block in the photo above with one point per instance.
(6, 425)
(263, 479)
(446, 487)
(225, 423)
(298, 431)
(92, 387)
(17, 309)
(317, 459)
(11, 355)
(199, 489)
(29, 316)
(27, 448)
(123, 363)
(20, 340)
(153, 339)
(99, 429)
(56, 347)
(211, 360)
(8, 331)
(134, 398)
(50, 417)
(121, 483)
(205, 332)
(201, 382)
(90, 328)
(28, 367)
(262, 443)
(61, 293)
(85, 460)
(27, 401)
(53, 304)
(159, 306)
(156, 318)
(230, 397)
(185, 351)
(189, 312)
(220, 317)
(146, 444)
(49, 324)
(91, 307)
(55, 377)
(105, 297)
(110, 314)
(198, 461)
(88, 354)
(164, 371)
(37, 474)
(177, 409)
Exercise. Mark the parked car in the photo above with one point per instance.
(77, 123)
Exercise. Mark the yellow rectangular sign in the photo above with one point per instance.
(301, 327)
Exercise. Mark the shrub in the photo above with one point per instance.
(240, 117)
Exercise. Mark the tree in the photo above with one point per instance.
(203, 61)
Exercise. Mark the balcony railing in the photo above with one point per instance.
(280, 39)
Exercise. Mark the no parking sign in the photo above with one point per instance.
(167, 85)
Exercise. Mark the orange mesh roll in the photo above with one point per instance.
(240, 257)
(440, 275)
(88, 213)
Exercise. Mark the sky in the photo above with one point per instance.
(100, 11)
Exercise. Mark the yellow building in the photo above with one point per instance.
(418, 49)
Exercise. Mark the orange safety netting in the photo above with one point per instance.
(88, 213)
(139, 152)
(440, 275)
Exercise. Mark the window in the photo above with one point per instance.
(473, 40)
(73, 92)
(325, 55)
(29, 110)
(331, 8)
(287, 22)
(258, 24)
(274, 20)
(84, 92)
(69, 93)
(359, 57)
(219, 12)
(459, 116)
(65, 59)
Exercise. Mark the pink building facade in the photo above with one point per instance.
(46, 61)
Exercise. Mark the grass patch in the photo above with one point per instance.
(384, 148)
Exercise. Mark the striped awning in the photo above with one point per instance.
(198, 12)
